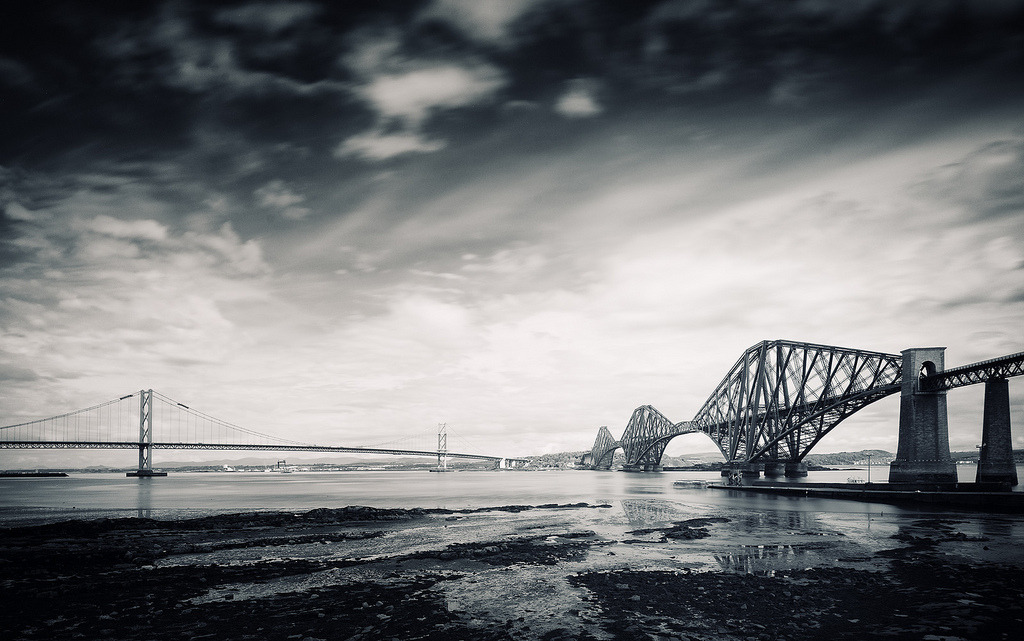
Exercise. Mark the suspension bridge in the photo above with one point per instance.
(781, 398)
(147, 421)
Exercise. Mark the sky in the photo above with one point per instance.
(348, 222)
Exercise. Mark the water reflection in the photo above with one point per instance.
(652, 497)
(650, 511)
(788, 521)
(992, 527)
(144, 498)
(762, 560)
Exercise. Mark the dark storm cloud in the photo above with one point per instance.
(791, 53)
(143, 75)
(223, 101)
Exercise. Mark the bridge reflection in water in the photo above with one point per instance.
(762, 560)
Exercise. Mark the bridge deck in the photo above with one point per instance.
(131, 445)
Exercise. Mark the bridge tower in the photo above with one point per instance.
(145, 437)
(442, 447)
(922, 454)
(995, 464)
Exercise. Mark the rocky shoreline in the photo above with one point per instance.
(511, 572)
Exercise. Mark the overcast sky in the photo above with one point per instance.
(342, 220)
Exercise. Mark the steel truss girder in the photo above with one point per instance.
(1002, 367)
(68, 445)
(782, 397)
(644, 454)
(806, 433)
(647, 435)
(603, 452)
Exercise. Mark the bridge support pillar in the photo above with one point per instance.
(145, 437)
(996, 461)
(922, 455)
(774, 469)
(796, 469)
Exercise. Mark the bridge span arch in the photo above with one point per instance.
(781, 398)
(663, 442)
(774, 404)
(600, 456)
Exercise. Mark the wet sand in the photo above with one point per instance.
(639, 569)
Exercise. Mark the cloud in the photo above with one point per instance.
(212, 64)
(987, 183)
(579, 100)
(128, 229)
(278, 196)
(405, 93)
(15, 211)
(733, 172)
(269, 17)
(110, 272)
(485, 20)
(412, 95)
(815, 53)
(378, 146)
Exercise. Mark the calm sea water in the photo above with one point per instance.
(24, 501)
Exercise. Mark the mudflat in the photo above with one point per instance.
(644, 569)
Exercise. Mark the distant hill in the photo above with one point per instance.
(972, 455)
(878, 457)
(568, 459)
(558, 459)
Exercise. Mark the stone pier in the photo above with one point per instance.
(774, 469)
(922, 455)
(996, 461)
(796, 469)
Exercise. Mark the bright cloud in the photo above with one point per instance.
(376, 145)
(412, 95)
(133, 229)
(405, 93)
(578, 101)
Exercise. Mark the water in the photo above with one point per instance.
(178, 495)
(880, 474)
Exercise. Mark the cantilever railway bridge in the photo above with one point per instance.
(781, 398)
(147, 420)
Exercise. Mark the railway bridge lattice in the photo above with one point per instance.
(781, 398)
